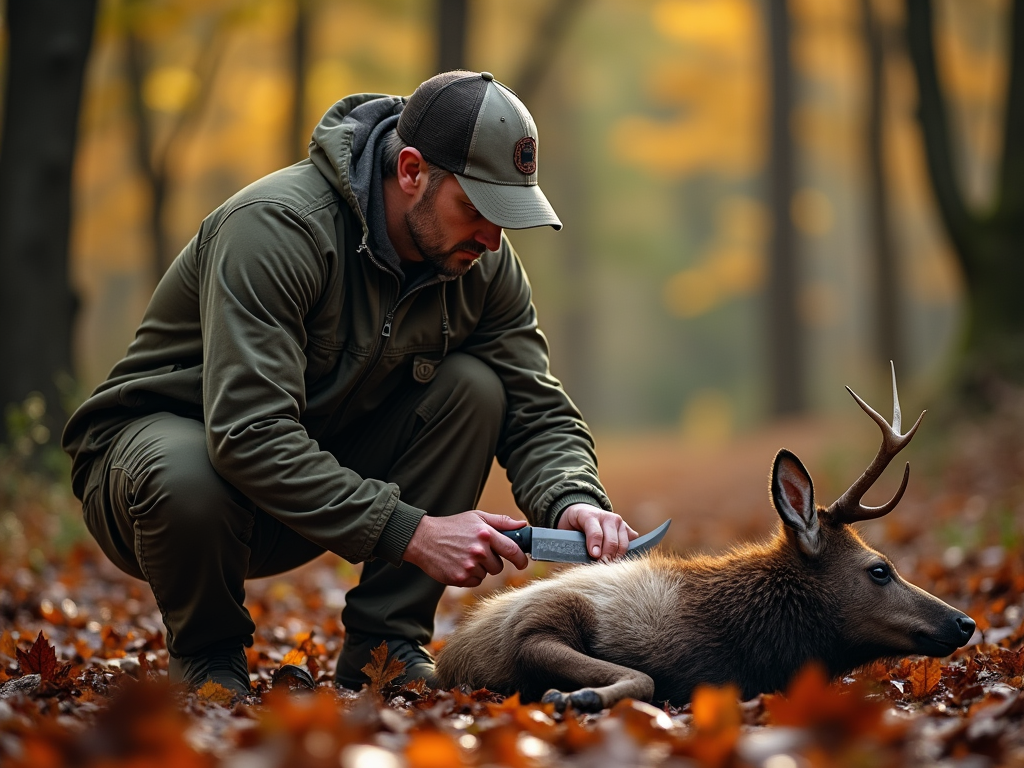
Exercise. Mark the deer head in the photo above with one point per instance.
(880, 613)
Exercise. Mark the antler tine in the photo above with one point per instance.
(848, 507)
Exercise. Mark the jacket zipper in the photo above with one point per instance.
(382, 341)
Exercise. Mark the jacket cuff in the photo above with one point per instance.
(397, 533)
(564, 502)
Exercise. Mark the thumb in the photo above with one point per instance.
(501, 522)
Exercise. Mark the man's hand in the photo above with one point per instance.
(462, 549)
(607, 533)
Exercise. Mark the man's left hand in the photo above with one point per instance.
(607, 533)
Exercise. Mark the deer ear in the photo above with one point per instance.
(793, 499)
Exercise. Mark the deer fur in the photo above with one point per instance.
(653, 628)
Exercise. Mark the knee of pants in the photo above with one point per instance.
(174, 489)
(472, 386)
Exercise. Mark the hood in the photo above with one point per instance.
(344, 143)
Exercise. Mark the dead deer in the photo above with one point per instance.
(652, 628)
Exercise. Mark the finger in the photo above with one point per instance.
(508, 549)
(595, 537)
(493, 565)
(501, 522)
(632, 534)
(610, 529)
(623, 532)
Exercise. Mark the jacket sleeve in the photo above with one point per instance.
(546, 448)
(260, 273)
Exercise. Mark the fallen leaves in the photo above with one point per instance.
(215, 693)
(380, 669)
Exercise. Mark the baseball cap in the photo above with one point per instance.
(473, 126)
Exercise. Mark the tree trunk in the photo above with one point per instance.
(989, 245)
(298, 135)
(785, 343)
(887, 327)
(49, 43)
(451, 34)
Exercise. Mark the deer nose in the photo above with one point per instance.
(967, 627)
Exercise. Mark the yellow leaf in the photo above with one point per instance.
(215, 693)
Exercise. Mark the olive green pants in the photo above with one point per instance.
(162, 513)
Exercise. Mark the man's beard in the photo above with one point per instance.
(428, 238)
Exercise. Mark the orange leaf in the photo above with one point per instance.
(716, 709)
(508, 705)
(432, 749)
(380, 670)
(295, 656)
(215, 693)
(925, 677)
(41, 659)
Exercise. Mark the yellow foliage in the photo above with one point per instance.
(169, 89)
(708, 420)
(733, 265)
(720, 24)
(691, 293)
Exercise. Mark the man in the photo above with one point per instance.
(332, 363)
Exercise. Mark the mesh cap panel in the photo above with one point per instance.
(440, 117)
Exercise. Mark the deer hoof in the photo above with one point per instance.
(586, 700)
(583, 700)
(557, 698)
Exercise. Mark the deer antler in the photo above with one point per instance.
(848, 508)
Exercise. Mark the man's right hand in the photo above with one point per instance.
(460, 550)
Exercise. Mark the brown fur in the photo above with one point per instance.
(657, 626)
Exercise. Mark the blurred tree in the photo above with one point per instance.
(989, 244)
(298, 135)
(887, 328)
(785, 343)
(539, 58)
(48, 44)
(156, 150)
(451, 34)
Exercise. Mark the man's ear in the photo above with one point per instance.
(793, 499)
(412, 171)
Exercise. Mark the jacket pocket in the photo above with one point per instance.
(321, 357)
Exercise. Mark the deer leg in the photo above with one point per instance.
(598, 684)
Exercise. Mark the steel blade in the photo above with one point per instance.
(648, 541)
(559, 546)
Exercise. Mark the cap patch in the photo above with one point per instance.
(526, 155)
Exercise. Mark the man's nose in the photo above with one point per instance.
(489, 235)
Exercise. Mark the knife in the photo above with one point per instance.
(571, 546)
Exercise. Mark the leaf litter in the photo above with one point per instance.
(83, 667)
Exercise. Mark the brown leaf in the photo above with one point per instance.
(8, 645)
(925, 677)
(380, 670)
(215, 693)
(41, 659)
(1010, 663)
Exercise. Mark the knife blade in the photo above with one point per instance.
(555, 545)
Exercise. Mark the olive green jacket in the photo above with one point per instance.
(276, 326)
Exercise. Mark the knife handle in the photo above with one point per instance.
(521, 536)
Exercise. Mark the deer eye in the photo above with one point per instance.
(880, 573)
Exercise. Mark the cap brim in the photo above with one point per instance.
(510, 206)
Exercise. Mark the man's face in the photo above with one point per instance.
(447, 229)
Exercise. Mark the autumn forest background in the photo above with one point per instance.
(763, 200)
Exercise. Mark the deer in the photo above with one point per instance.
(654, 627)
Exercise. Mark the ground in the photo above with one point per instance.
(82, 662)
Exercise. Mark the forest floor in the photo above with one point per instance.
(83, 665)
